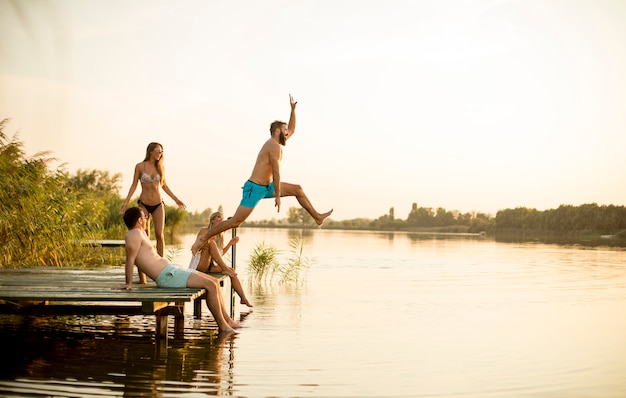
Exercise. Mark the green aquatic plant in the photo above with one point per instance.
(262, 262)
(297, 263)
(41, 221)
(46, 215)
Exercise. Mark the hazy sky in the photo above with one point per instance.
(468, 105)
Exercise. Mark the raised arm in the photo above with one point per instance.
(291, 126)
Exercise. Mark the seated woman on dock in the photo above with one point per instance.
(140, 252)
(209, 258)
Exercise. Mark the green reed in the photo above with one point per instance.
(297, 263)
(43, 219)
(264, 264)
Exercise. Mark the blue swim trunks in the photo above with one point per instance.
(253, 193)
(172, 276)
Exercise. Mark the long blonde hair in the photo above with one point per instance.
(219, 238)
(157, 164)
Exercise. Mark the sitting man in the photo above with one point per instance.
(140, 252)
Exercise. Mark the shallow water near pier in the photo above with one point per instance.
(376, 315)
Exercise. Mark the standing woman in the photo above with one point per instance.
(151, 174)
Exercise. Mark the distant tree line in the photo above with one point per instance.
(564, 220)
(418, 219)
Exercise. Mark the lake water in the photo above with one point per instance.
(377, 315)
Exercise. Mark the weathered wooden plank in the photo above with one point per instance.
(79, 309)
(87, 309)
(107, 242)
(60, 277)
(150, 307)
(104, 243)
(51, 294)
(67, 277)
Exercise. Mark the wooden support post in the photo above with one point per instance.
(234, 264)
(150, 307)
(197, 306)
(179, 320)
(161, 324)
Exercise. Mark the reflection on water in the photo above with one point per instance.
(380, 314)
(44, 358)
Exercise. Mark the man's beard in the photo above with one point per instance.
(281, 139)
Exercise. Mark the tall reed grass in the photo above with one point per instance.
(267, 265)
(43, 219)
(262, 263)
(294, 270)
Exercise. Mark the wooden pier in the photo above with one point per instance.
(70, 291)
(107, 242)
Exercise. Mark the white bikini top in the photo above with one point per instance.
(146, 179)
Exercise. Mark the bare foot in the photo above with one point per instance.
(246, 302)
(234, 324)
(227, 330)
(322, 217)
